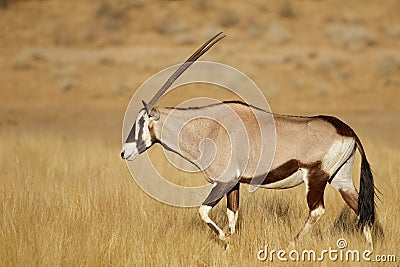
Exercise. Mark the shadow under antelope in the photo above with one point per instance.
(315, 150)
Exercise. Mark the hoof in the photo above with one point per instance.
(228, 245)
(222, 236)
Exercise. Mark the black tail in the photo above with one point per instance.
(366, 201)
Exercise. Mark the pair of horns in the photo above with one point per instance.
(196, 55)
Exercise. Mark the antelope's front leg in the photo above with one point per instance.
(232, 209)
(217, 193)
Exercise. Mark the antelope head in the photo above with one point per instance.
(140, 137)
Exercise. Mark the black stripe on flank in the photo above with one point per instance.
(283, 171)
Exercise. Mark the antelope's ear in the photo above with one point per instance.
(146, 107)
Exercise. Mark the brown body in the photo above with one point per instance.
(282, 151)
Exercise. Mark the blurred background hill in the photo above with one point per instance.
(77, 63)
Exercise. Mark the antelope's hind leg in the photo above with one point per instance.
(344, 184)
(315, 182)
(217, 193)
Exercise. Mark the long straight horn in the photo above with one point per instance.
(196, 55)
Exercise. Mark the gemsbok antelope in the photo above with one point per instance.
(315, 150)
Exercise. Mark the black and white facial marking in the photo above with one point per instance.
(139, 138)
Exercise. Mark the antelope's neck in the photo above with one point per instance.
(166, 129)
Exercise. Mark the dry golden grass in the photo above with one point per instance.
(72, 202)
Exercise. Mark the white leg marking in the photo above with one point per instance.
(204, 210)
(232, 219)
(315, 215)
(305, 179)
(318, 212)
